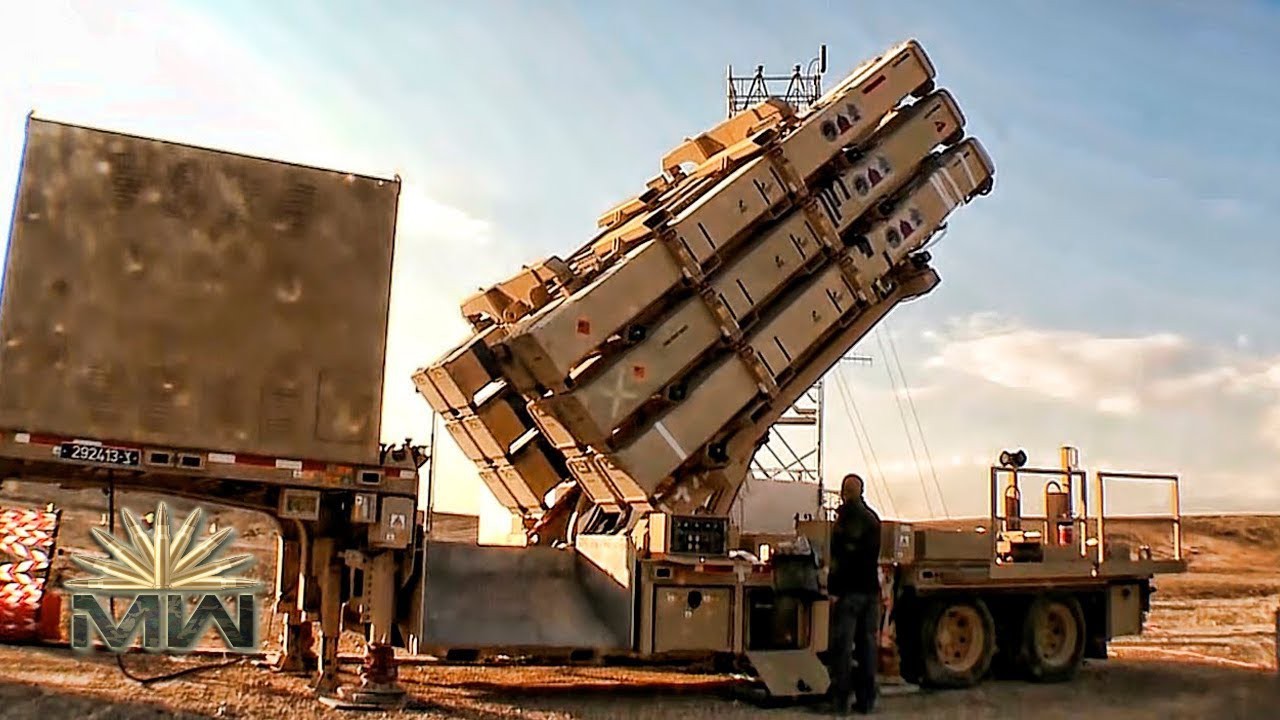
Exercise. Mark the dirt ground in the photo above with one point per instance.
(37, 683)
(1208, 651)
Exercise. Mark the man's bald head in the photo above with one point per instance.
(851, 488)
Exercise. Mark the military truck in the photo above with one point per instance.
(614, 398)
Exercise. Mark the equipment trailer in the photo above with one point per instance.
(209, 325)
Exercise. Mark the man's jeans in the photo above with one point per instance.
(855, 630)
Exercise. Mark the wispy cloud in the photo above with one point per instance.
(1111, 374)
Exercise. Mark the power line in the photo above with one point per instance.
(919, 427)
(902, 415)
(862, 451)
(860, 432)
(857, 435)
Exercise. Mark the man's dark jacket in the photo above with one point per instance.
(855, 550)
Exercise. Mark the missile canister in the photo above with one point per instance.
(646, 367)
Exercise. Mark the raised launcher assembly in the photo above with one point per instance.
(643, 372)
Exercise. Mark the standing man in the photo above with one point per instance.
(854, 583)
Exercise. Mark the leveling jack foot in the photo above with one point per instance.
(364, 699)
(378, 687)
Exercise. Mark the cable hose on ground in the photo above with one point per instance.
(174, 675)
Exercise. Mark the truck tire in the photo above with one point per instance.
(957, 642)
(1053, 638)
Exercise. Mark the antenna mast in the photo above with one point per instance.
(800, 89)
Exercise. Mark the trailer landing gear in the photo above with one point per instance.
(378, 688)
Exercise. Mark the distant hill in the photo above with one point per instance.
(1227, 555)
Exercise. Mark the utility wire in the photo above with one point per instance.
(866, 435)
(857, 436)
(860, 431)
(902, 415)
(862, 451)
(919, 427)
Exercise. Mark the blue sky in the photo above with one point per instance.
(1116, 290)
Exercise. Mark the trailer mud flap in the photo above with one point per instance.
(790, 673)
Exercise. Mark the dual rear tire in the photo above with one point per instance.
(951, 642)
(958, 642)
(1052, 639)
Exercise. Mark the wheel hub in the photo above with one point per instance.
(1056, 634)
(960, 638)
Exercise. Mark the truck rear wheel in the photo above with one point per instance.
(1053, 638)
(958, 640)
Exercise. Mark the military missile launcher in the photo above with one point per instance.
(641, 372)
(612, 398)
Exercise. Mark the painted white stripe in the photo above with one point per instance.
(943, 192)
(964, 163)
(224, 458)
(666, 435)
(22, 437)
(95, 443)
(289, 464)
(960, 196)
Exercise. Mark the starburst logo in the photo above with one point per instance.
(162, 567)
(160, 561)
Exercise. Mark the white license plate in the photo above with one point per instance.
(100, 454)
